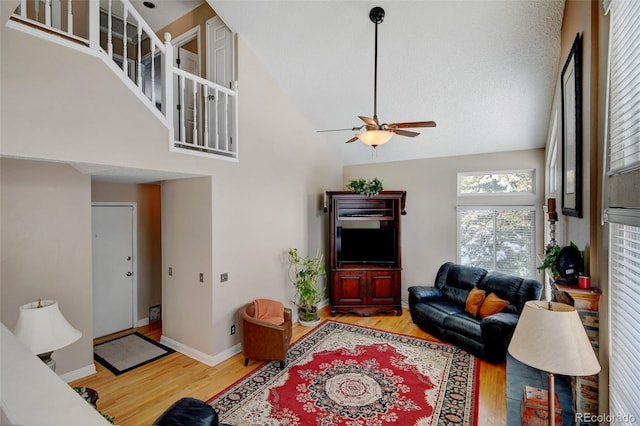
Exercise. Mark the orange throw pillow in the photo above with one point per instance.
(474, 301)
(492, 305)
(270, 311)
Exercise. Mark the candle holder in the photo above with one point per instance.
(552, 235)
(553, 218)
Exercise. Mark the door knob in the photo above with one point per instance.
(129, 274)
(128, 257)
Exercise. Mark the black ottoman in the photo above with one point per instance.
(188, 412)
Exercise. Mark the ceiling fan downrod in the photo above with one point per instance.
(377, 16)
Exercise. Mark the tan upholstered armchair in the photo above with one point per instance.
(264, 340)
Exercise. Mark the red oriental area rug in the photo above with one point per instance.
(341, 374)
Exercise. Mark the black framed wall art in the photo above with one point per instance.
(571, 84)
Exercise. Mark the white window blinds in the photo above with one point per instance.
(624, 86)
(624, 302)
(500, 238)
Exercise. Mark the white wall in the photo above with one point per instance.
(45, 212)
(59, 105)
(429, 228)
(268, 202)
(187, 240)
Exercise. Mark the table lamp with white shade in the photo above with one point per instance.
(550, 337)
(43, 329)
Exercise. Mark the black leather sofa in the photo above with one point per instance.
(440, 310)
(188, 412)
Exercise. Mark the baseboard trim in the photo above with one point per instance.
(79, 373)
(142, 322)
(201, 356)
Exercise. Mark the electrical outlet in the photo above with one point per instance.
(233, 329)
(201, 277)
(170, 271)
(224, 277)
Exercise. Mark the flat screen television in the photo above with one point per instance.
(366, 245)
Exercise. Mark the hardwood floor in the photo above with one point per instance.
(138, 397)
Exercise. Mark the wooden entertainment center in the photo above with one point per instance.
(365, 255)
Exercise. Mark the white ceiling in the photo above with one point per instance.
(484, 70)
(165, 12)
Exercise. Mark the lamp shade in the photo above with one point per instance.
(44, 329)
(375, 137)
(550, 337)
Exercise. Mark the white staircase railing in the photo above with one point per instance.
(203, 118)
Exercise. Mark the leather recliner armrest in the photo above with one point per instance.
(421, 293)
(498, 328)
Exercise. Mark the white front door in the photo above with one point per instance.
(113, 268)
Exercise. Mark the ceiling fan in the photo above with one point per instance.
(374, 133)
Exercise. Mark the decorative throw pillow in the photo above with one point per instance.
(474, 301)
(270, 311)
(492, 305)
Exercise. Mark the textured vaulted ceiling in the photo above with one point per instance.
(484, 70)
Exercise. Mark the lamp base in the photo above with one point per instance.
(46, 358)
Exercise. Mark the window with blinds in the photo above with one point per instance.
(624, 86)
(624, 299)
(623, 122)
(498, 238)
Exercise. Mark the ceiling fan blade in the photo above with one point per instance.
(369, 121)
(351, 129)
(404, 133)
(353, 139)
(412, 124)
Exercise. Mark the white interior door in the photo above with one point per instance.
(220, 62)
(113, 268)
(187, 61)
(219, 52)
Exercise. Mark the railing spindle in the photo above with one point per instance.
(216, 120)
(195, 112)
(23, 8)
(69, 17)
(109, 32)
(139, 55)
(226, 122)
(125, 42)
(153, 72)
(205, 117)
(94, 24)
(47, 13)
(167, 75)
(183, 90)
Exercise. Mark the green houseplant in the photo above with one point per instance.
(304, 273)
(362, 186)
(91, 396)
(549, 261)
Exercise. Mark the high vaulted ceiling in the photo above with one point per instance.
(484, 70)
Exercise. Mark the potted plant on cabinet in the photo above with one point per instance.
(304, 273)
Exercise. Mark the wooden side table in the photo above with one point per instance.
(587, 303)
(534, 409)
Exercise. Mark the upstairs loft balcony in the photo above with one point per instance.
(201, 115)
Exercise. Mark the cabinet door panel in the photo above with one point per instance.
(348, 287)
(383, 287)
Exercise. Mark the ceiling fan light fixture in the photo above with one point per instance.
(374, 138)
